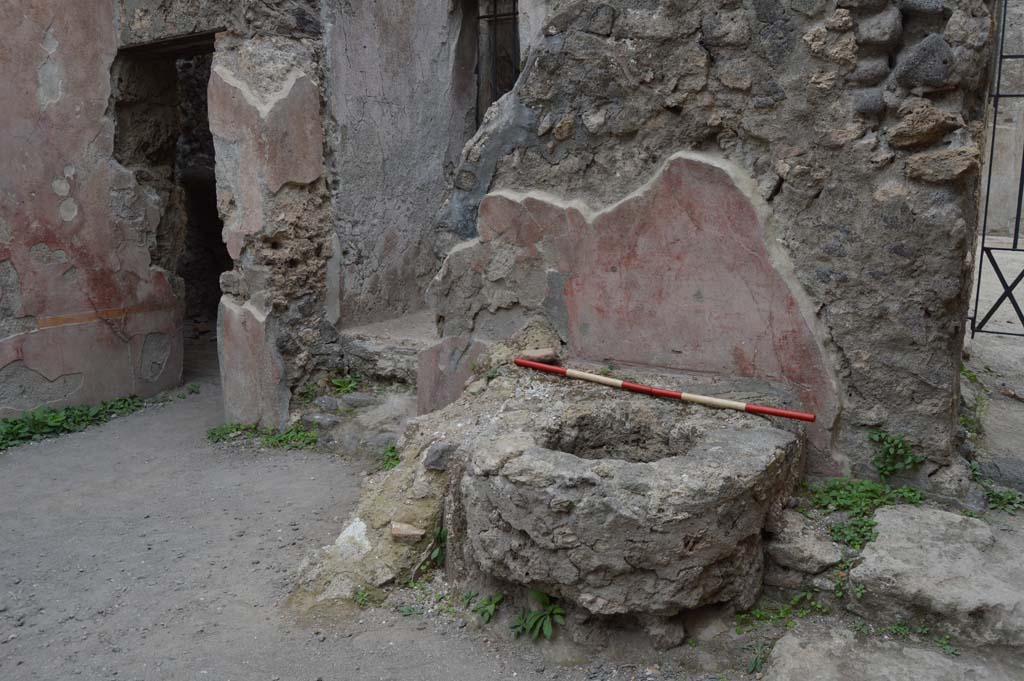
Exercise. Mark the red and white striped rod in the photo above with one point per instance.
(715, 402)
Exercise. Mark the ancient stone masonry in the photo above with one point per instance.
(852, 129)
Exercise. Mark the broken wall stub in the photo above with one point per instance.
(88, 315)
(402, 91)
(857, 126)
(264, 103)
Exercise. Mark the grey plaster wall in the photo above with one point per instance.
(401, 90)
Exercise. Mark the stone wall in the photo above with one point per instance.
(265, 103)
(857, 125)
(402, 96)
(87, 314)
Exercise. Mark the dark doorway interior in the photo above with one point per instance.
(498, 51)
(204, 256)
(163, 136)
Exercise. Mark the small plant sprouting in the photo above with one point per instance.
(468, 598)
(230, 430)
(894, 454)
(946, 646)
(346, 384)
(491, 374)
(193, 388)
(975, 469)
(486, 607)
(362, 597)
(761, 653)
(407, 610)
(440, 545)
(898, 630)
(539, 622)
(308, 393)
(968, 374)
(861, 627)
(1006, 500)
(389, 458)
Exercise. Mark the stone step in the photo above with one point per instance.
(838, 654)
(930, 564)
(388, 350)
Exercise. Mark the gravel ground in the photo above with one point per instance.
(137, 550)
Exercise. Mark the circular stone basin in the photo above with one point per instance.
(624, 504)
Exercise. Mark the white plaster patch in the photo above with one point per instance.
(61, 187)
(51, 83)
(352, 543)
(50, 74)
(68, 210)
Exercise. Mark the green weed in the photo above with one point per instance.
(308, 393)
(193, 388)
(761, 653)
(440, 545)
(346, 384)
(894, 454)
(539, 622)
(44, 422)
(296, 437)
(362, 597)
(899, 630)
(390, 459)
(407, 610)
(468, 598)
(228, 431)
(1006, 500)
(860, 499)
(946, 646)
(486, 607)
(968, 374)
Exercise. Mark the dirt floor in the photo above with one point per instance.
(137, 550)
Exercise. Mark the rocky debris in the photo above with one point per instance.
(922, 6)
(547, 355)
(405, 533)
(945, 165)
(870, 71)
(880, 30)
(438, 454)
(928, 64)
(360, 400)
(365, 554)
(837, 654)
(921, 124)
(665, 633)
(840, 48)
(326, 403)
(320, 421)
(963, 572)
(799, 546)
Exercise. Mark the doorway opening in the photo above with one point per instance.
(162, 135)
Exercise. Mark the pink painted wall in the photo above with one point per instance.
(83, 315)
